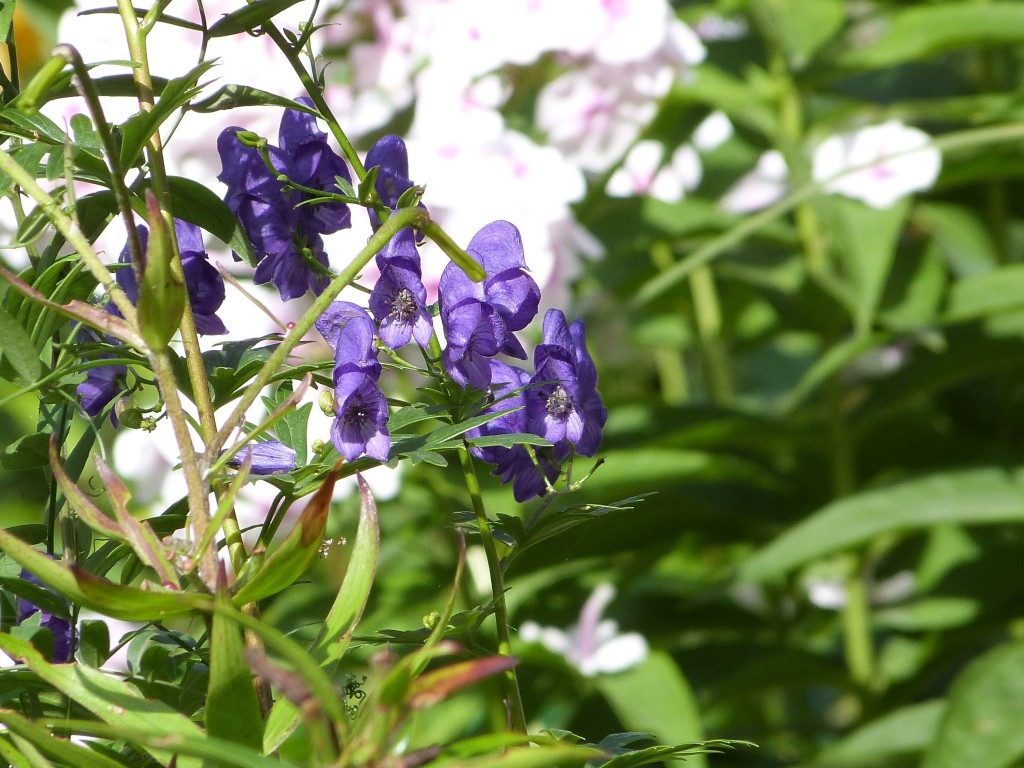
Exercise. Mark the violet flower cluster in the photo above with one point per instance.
(206, 293)
(286, 235)
(59, 627)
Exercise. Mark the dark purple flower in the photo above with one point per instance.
(102, 384)
(59, 627)
(391, 159)
(513, 464)
(399, 300)
(474, 331)
(506, 300)
(562, 403)
(286, 234)
(360, 417)
(349, 332)
(204, 283)
(268, 458)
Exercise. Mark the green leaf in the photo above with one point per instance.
(65, 752)
(963, 238)
(94, 643)
(195, 203)
(27, 452)
(249, 17)
(138, 128)
(293, 555)
(232, 710)
(344, 615)
(1000, 290)
(801, 26)
(907, 730)
(17, 347)
(108, 698)
(675, 720)
(981, 725)
(867, 238)
(968, 497)
(234, 96)
(40, 596)
(917, 33)
(6, 17)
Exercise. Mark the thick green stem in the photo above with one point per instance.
(513, 697)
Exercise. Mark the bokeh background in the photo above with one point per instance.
(806, 528)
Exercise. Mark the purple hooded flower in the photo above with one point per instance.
(562, 403)
(102, 384)
(399, 300)
(479, 317)
(513, 464)
(59, 627)
(286, 234)
(360, 408)
(391, 159)
(268, 458)
(360, 417)
(204, 283)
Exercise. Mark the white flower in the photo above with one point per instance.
(642, 172)
(594, 646)
(763, 186)
(893, 168)
(713, 131)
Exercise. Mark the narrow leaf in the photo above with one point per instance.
(16, 346)
(437, 685)
(249, 17)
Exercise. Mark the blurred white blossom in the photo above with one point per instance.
(761, 187)
(642, 172)
(594, 645)
(899, 160)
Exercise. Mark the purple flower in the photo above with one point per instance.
(204, 283)
(360, 417)
(360, 408)
(286, 234)
(391, 159)
(562, 403)
(399, 300)
(59, 627)
(102, 384)
(479, 318)
(513, 464)
(268, 458)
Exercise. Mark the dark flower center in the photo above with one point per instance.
(403, 305)
(357, 414)
(558, 402)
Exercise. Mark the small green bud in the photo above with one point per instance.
(319, 446)
(326, 402)
(430, 620)
(128, 413)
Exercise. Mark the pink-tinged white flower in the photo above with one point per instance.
(594, 645)
(893, 160)
(712, 132)
(763, 186)
(594, 114)
(642, 172)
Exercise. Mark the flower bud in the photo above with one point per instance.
(326, 402)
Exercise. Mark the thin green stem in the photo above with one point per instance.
(708, 312)
(513, 697)
(857, 635)
(314, 92)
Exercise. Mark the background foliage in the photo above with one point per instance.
(815, 414)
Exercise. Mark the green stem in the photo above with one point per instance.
(513, 697)
(857, 635)
(315, 93)
(708, 312)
